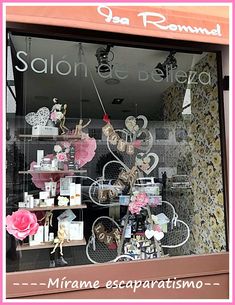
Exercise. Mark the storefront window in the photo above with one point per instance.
(113, 153)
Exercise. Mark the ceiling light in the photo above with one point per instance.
(169, 64)
(117, 101)
(104, 62)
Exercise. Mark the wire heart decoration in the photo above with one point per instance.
(105, 238)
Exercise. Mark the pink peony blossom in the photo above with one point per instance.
(21, 224)
(133, 208)
(62, 156)
(84, 150)
(138, 202)
(142, 199)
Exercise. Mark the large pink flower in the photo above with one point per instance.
(138, 202)
(84, 150)
(21, 224)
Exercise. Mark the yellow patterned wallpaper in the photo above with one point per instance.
(202, 206)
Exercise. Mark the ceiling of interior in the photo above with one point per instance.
(140, 97)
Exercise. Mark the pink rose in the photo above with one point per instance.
(133, 208)
(21, 224)
(142, 199)
(62, 157)
(138, 202)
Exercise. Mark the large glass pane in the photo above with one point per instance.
(111, 151)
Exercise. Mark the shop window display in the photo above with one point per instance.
(113, 154)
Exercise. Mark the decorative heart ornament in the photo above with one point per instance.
(145, 137)
(105, 239)
(131, 123)
(149, 233)
(158, 235)
(147, 163)
(39, 118)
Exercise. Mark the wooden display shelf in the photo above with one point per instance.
(80, 171)
(53, 208)
(48, 245)
(29, 136)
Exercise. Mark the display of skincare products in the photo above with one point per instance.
(49, 202)
(44, 195)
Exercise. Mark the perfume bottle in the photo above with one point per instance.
(71, 164)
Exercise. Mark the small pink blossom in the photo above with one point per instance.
(62, 157)
(21, 224)
(57, 148)
(136, 143)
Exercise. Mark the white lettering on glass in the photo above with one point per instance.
(21, 59)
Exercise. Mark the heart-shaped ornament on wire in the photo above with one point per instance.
(145, 140)
(131, 123)
(147, 163)
(102, 246)
(149, 233)
(39, 118)
(158, 235)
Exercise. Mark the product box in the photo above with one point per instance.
(44, 195)
(22, 205)
(38, 238)
(44, 131)
(153, 190)
(65, 186)
(49, 202)
(155, 200)
(76, 230)
(46, 233)
(124, 199)
(72, 190)
(40, 156)
(78, 200)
